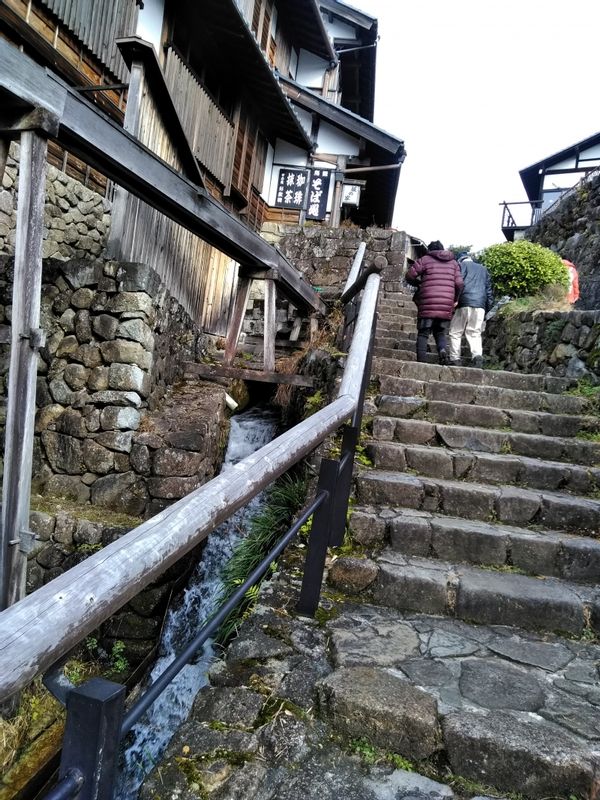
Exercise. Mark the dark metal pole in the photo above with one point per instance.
(319, 540)
(92, 736)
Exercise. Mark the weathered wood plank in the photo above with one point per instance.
(270, 329)
(23, 366)
(223, 371)
(36, 632)
(237, 318)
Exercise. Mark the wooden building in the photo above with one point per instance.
(547, 181)
(266, 104)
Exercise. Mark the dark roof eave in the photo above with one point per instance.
(530, 176)
(294, 132)
(349, 13)
(342, 118)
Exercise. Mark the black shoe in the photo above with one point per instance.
(477, 362)
(455, 362)
(443, 356)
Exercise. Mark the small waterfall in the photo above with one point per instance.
(149, 738)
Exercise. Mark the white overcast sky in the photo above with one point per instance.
(478, 90)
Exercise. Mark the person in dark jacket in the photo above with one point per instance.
(438, 278)
(476, 299)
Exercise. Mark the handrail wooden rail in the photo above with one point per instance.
(40, 629)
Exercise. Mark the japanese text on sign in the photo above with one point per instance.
(318, 193)
(291, 188)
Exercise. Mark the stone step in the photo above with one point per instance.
(486, 596)
(395, 329)
(465, 465)
(427, 535)
(499, 503)
(486, 440)
(404, 340)
(535, 422)
(495, 396)
(388, 305)
(507, 380)
(505, 708)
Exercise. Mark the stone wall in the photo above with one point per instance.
(324, 255)
(76, 220)
(551, 342)
(63, 540)
(573, 231)
(112, 427)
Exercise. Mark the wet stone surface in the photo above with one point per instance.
(295, 704)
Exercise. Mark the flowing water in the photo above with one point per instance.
(149, 738)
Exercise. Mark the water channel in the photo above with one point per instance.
(250, 430)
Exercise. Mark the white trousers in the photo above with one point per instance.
(467, 321)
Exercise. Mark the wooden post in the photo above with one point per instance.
(131, 121)
(336, 207)
(237, 318)
(270, 325)
(4, 146)
(26, 338)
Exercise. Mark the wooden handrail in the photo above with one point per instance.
(40, 629)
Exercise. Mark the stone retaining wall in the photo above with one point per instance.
(76, 219)
(64, 540)
(572, 229)
(565, 344)
(116, 343)
(324, 255)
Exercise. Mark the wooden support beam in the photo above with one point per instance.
(270, 329)
(221, 371)
(4, 147)
(26, 338)
(237, 318)
(114, 245)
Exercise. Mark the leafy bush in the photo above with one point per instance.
(523, 268)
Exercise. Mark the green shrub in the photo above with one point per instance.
(523, 268)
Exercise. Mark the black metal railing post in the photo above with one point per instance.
(318, 541)
(350, 439)
(92, 737)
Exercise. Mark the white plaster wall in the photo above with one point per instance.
(332, 140)
(311, 70)
(305, 118)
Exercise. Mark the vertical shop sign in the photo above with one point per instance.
(318, 192)
(291, 188)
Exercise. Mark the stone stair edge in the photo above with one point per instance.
(423, 388)
(559, 554)
(479, 466)
(521, 420)
(485, 596)
(548, 383)
(507, 504)
(455, 436)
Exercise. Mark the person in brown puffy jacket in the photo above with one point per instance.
(439, 282)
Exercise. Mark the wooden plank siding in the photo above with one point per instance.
(210, 133)
(202, 278)
(97, 24)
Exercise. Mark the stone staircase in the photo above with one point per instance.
(480, 518)
(462, 633)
